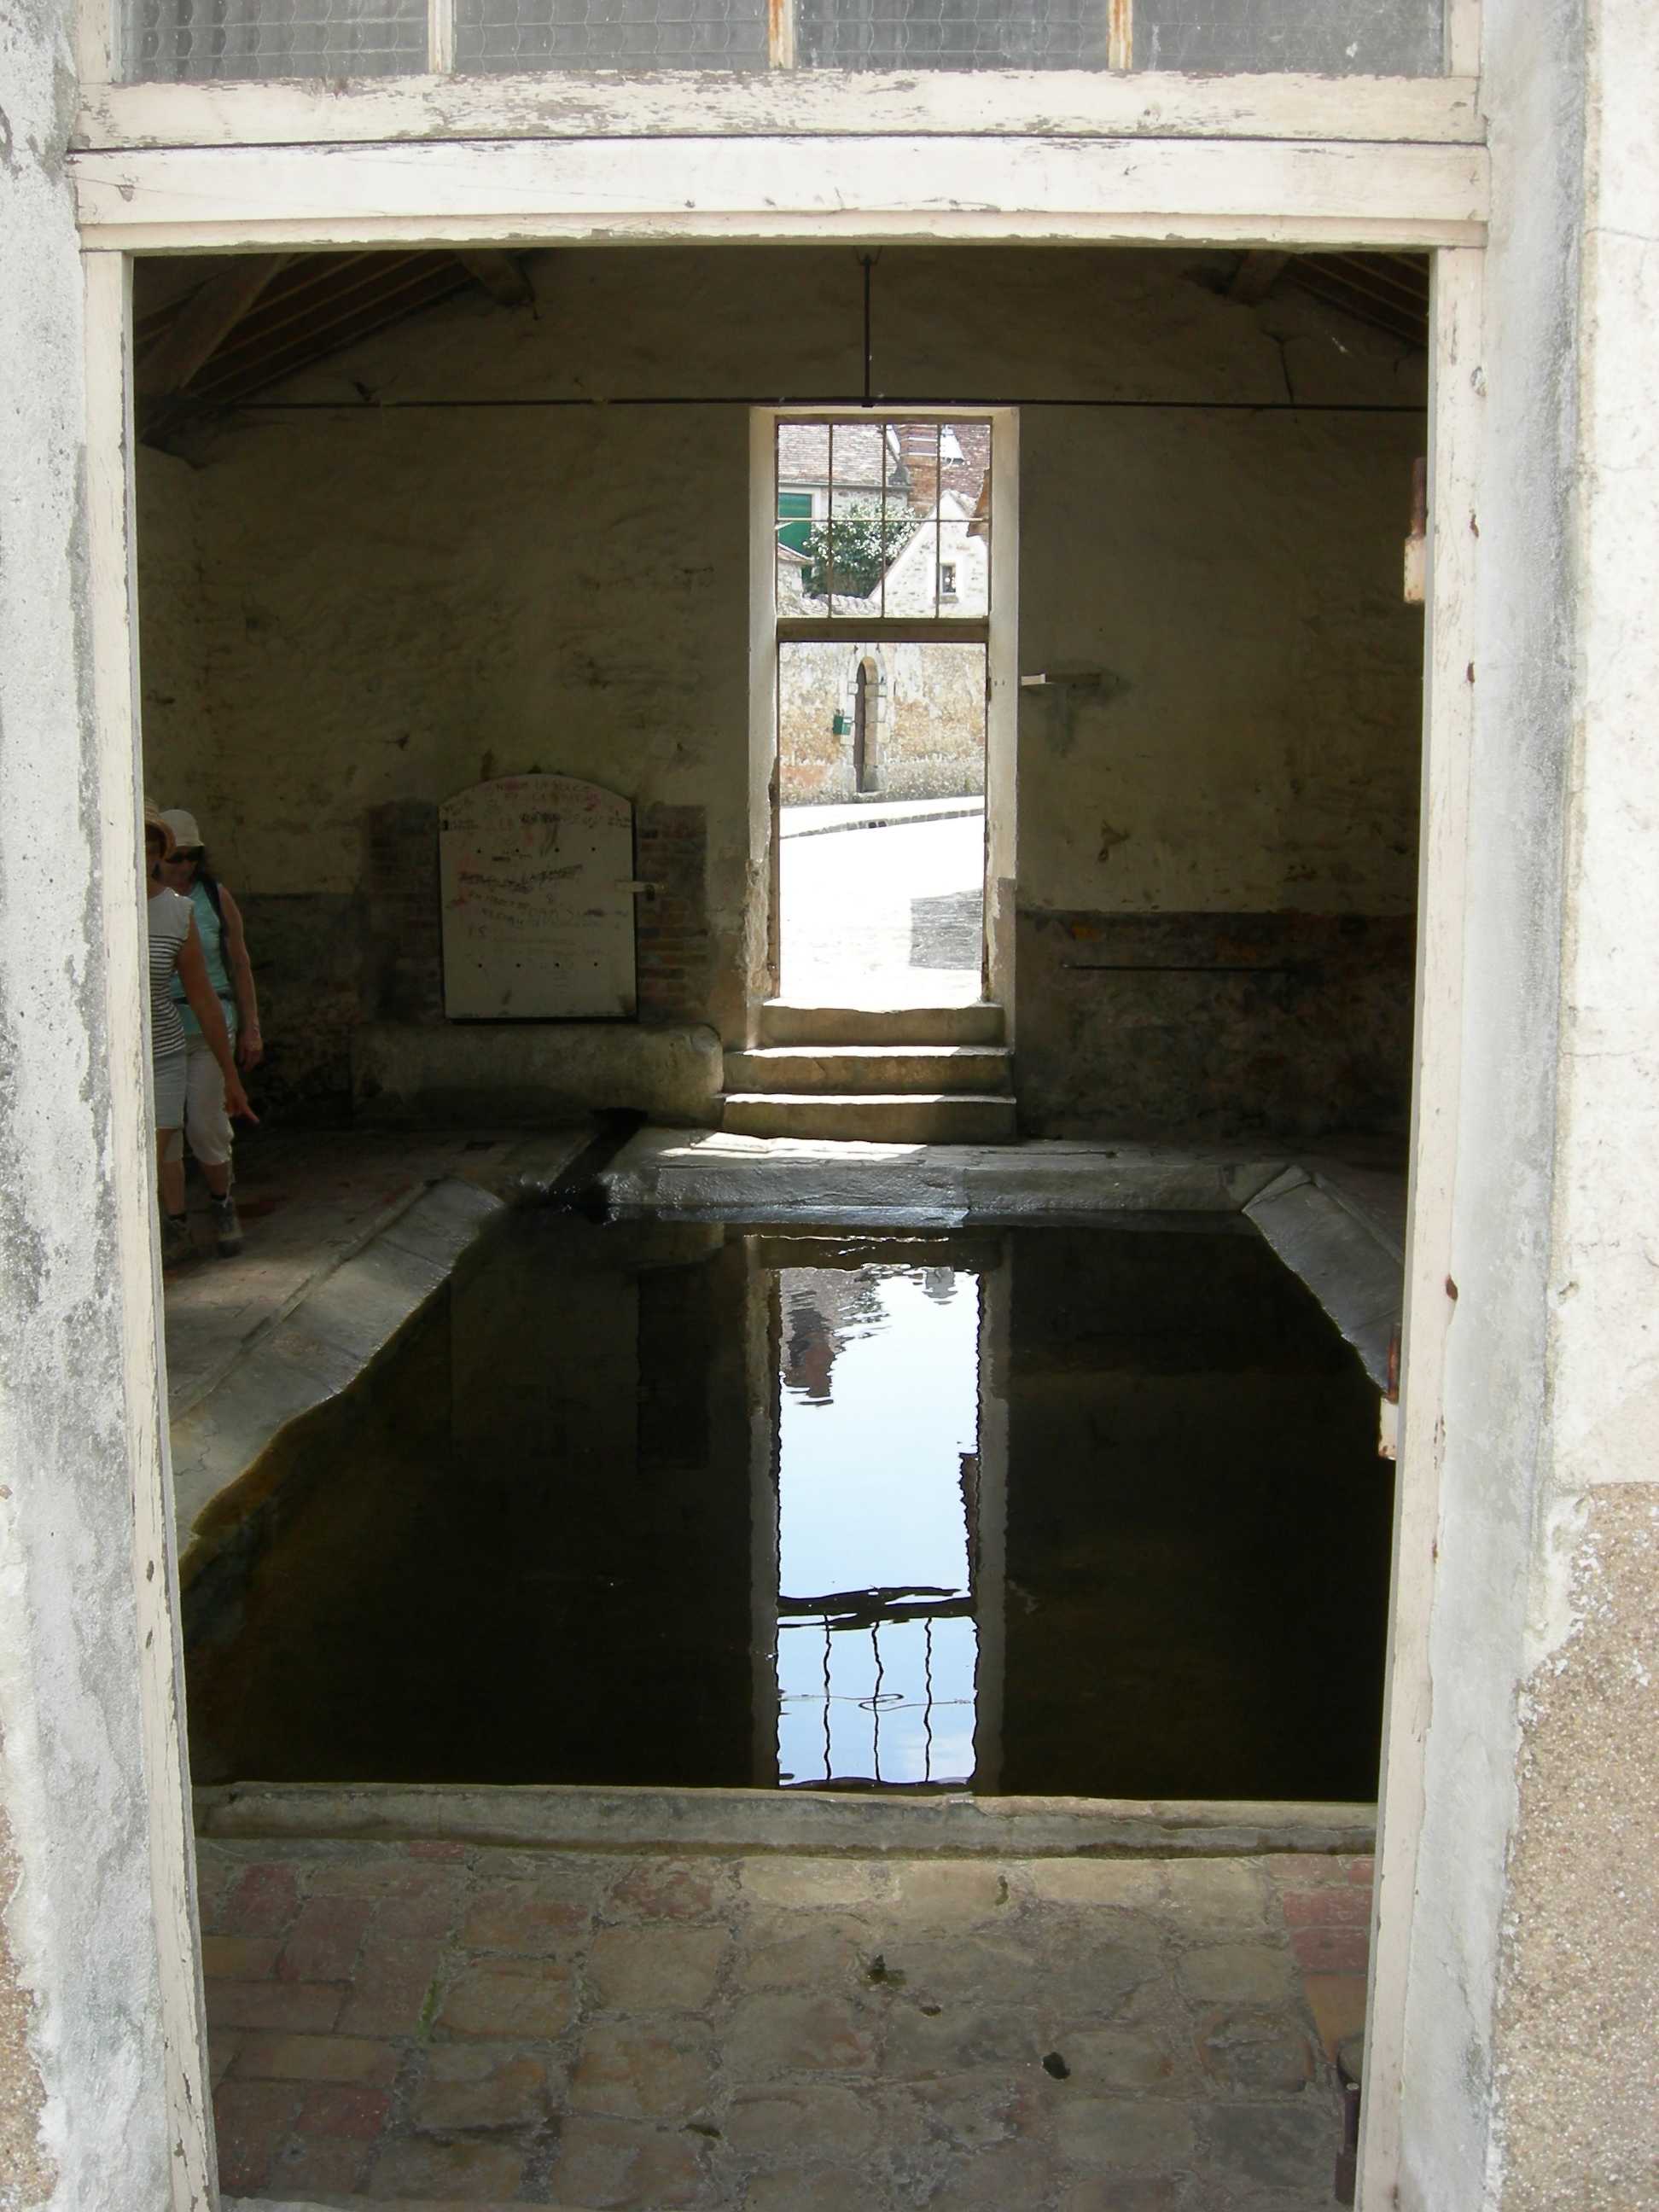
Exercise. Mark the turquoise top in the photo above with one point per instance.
(212, 931)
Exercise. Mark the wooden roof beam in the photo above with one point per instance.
(1256, 276)
(500, 276)
(202, 322)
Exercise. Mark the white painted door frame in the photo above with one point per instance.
(1123, 189)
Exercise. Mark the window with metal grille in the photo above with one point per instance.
(193, 39)
(514, 35)
(1344, 38)
(952, 34)
(196, 39)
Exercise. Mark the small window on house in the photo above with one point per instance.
(947, 580)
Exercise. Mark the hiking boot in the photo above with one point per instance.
(226, 1228)
(177, 1243)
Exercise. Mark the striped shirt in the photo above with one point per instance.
(170, 917)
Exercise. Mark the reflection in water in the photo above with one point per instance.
(1062, 1511)
(877, 1428)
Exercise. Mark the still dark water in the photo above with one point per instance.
(1092, 1513)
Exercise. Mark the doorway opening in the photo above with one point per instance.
(881, 580)
(1218, 784)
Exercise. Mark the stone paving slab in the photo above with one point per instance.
(437, 2024)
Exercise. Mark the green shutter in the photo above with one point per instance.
(794, 533)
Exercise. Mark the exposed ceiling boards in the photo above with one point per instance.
(254, 319)
(1388, 290)
(211, 334)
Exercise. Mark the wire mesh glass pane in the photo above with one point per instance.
(190, 41)
(512, 35)
(952, 34)
(1347, 37)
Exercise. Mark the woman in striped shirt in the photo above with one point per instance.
(176, 944)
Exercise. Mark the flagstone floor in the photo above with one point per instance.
(435, 2023)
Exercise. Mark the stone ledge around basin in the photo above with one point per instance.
(352, 1310)
(1337, 1254)
(409, 1075)
(573, 1816)
(316, 1352)
(721, 1175)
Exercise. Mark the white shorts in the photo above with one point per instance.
(206, 1122)
(168, 1070)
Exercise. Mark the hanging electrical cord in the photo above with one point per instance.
(867, 263)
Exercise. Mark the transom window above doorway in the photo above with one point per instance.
(882, 519)
(191, 40)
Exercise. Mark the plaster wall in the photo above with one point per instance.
(1524, 1908)
(1227, 741)
(84, 2121)
(393, 604)
(1577, 2043)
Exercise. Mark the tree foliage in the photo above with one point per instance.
(860, 547)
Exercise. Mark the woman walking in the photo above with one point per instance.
(207, 1124)
(175, 948)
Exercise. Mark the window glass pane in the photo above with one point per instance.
(1347, 38)
(191, 40)
(952, 34)
(889, 518)
(513, 35)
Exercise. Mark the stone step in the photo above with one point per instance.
(920, 1118)
(784, 1021)
(893, 1068)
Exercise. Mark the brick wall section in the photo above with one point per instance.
(672, 851)
(1213, 1025)
(403, 943)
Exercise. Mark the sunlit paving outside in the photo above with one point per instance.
(882, 593)
(885, 914)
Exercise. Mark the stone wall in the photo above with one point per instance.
(350, 613)
(1572, 2054)
(926, 721)
(1213, 1024)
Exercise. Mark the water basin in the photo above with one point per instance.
(1086, 1511)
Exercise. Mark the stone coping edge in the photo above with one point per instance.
(1329, 1244)
(358, 1304)
(574, 1817)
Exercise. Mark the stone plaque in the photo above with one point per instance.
(535, 874)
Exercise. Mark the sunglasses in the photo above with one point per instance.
(185, 856)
